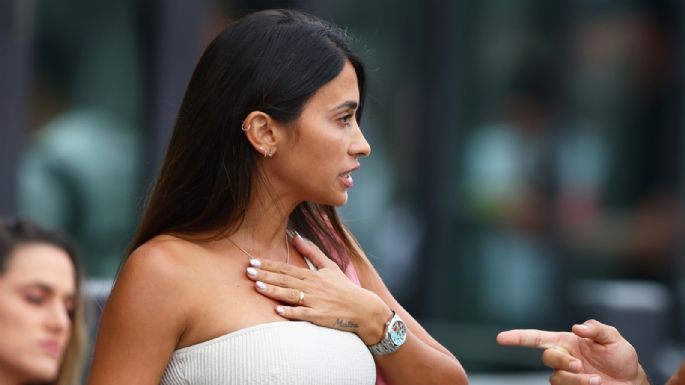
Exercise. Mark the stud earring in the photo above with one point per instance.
(271, 152)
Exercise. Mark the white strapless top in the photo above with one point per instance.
(277, 353)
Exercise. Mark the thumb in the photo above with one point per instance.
(597, 331)
(308, 249)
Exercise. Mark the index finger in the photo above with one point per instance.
(531, 338)
(280, 267)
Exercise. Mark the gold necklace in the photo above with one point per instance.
(287, 249)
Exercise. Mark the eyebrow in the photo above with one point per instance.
(348, 104)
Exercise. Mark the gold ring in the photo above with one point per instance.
(299, 301)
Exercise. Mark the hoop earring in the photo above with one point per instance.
(242, 126)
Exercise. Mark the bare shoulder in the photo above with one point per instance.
(146, 314)
(163, 254)
(155, 272)
(159, 262)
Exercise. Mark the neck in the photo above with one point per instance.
(264, 227)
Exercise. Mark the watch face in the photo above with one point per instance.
(398, 332)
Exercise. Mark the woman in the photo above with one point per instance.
(42, 328)
(264, 146)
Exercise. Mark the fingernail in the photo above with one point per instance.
(297, 235)
(261, 285)
(574, 366)
(280, 310)
(583, 326)
(595, 380)
(252, 272)
(255, 262)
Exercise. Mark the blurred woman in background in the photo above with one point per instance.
(42, 326)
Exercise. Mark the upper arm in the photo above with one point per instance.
(142, 320)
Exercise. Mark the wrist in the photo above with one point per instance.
(394, 338)
(373, 329)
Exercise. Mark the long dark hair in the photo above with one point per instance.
(272, 61)
(15, 233)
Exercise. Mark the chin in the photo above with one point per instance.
(42, 370)
(335, 201)
(340, 201)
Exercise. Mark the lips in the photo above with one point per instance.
(347, 180)
(346, 177)
(52, 348)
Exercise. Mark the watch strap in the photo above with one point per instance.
(386, 345)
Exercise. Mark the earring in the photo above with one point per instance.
(242, 126)
(271, 152)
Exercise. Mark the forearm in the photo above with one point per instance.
(419, 363)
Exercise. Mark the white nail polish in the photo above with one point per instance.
(280, 310)
(255, 262)
(252, 272)
(261, 285)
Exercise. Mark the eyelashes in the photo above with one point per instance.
(38, 301)
(34, 299)
(345, 120)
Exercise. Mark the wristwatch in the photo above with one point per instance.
(394, 337)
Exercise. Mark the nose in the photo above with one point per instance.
(359, 146)
(57, 318)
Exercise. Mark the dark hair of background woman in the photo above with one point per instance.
(15, 233)
(271, 61)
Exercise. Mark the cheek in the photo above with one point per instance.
(20, 334)
(326, 155)
(309, 160)
(17, 320)
(19, 324)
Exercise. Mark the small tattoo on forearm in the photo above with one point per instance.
(346, 324)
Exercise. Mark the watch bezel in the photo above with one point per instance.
(397, 336)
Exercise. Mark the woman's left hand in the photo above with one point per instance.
(325, 297)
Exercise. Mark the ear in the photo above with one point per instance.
(260, 130)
